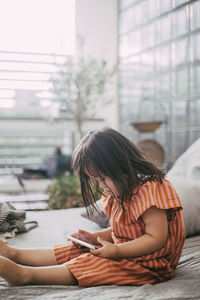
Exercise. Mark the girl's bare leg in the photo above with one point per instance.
(30, 257)
(17, 275)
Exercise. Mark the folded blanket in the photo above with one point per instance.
(12, 220)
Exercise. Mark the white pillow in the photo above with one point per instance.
(189, 193)
(188, 164)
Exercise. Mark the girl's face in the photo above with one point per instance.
(107, 185)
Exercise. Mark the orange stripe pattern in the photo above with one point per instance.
(159, 266)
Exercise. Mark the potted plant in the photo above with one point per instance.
(64, 192)
(80, 88)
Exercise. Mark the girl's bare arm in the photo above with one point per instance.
(156, 232)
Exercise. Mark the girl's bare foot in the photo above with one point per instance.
(18, 275)
(6, 251)
(13, 273)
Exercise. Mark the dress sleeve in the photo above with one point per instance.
(161, 195)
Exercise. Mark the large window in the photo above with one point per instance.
(35, 35)
(160, 61)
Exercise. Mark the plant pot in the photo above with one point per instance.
(147, 126)
(152, 151)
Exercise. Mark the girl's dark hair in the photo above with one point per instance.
(108, 153)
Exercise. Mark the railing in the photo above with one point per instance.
(19, 151)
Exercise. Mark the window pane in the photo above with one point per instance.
(180, 52)
(195, 15)
(163, 58)
(180, 83)
(180, 22)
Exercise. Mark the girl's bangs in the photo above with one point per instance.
(90, 170)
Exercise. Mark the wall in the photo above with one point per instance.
(96, 25)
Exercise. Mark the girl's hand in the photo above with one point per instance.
(84, 236)
(108, 250)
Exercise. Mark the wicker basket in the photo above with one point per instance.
(152, 151)
(147, 126)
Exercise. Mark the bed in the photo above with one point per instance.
(55, 225)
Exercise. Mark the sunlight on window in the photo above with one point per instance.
(7, 103)
(34, 35)
(44, 26)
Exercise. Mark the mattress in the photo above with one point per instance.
(56, 224)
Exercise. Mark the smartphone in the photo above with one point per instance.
(73, 239)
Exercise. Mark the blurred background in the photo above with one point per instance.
(69, 66)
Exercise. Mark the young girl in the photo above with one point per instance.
(146, 237)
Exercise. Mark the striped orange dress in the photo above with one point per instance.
(158, 266)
